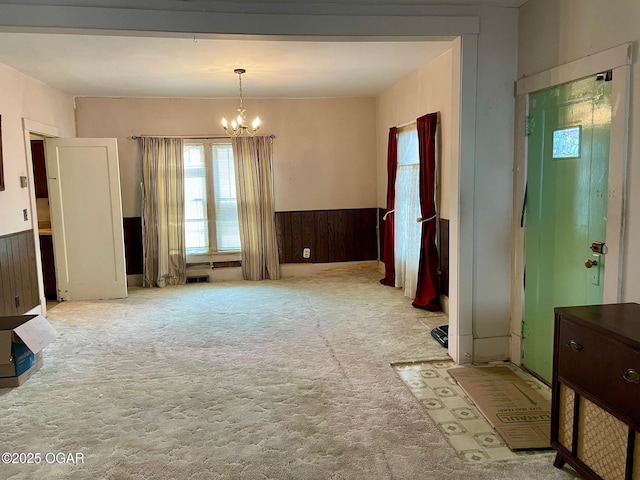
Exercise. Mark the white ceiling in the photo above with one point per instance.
(125, 66)
(181, 65)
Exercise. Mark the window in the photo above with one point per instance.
(566, 142)
(407, 230)
(211, 206)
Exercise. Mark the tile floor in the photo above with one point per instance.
(455, 414)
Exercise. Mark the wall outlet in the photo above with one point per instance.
(306, 253)
(25, 215)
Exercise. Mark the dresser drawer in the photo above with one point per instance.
(603, 367)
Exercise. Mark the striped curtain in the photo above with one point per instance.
(256, 207)
(164, 252)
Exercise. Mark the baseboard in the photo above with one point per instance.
(309, 269)
(460, 346)
(286, 270)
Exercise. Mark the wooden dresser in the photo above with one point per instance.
(595, 413)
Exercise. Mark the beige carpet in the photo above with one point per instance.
(240, 380)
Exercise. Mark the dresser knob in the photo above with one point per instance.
(573, 345)
(632, 376)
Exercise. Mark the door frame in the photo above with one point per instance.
(30, 127)
(619, 60)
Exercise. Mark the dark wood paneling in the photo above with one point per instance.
(443, 243)
(321, 254)
(28, 271)
(331, 235)
(133, 244)
(288, 249)
(16, 277)
(381, 214)
(308, 230)
(369, 245)
(6, 274)
(295, 237)
(18, 274)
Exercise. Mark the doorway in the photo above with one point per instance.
(45, 236)
(566, 210)
(87, 238)
(618, 60)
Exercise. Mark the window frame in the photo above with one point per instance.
(212, 253)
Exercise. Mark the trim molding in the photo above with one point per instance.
(116, 20)
(38, 128)
(598, 62)
(617, 59)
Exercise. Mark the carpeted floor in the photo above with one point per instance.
(240, 380)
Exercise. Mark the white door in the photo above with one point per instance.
(86, 218)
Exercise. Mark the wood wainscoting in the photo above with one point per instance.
(331, 236)
(18, 274)
(345, 235)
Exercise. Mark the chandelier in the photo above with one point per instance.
(239, 125)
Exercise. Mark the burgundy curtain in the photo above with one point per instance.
(427, 295)
(387, 239)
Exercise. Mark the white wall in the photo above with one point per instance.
(23, 97)
(426, 90)
(324, 150)
(556, 32)
(493, 180)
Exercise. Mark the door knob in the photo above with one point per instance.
(631, 376)
(590, 263)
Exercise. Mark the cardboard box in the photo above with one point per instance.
(520, 415)
(22, 339)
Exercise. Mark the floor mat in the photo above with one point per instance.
(455, 415)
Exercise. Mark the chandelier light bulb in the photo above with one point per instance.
(256, 123)
(224, 123)
(234, 125)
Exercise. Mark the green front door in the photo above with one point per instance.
(567, 178)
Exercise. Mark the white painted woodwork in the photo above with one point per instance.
(86, 218)
(31, 127)
(617, 59)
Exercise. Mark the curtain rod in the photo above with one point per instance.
(413, 122)
(187, 137)
(408, 124)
